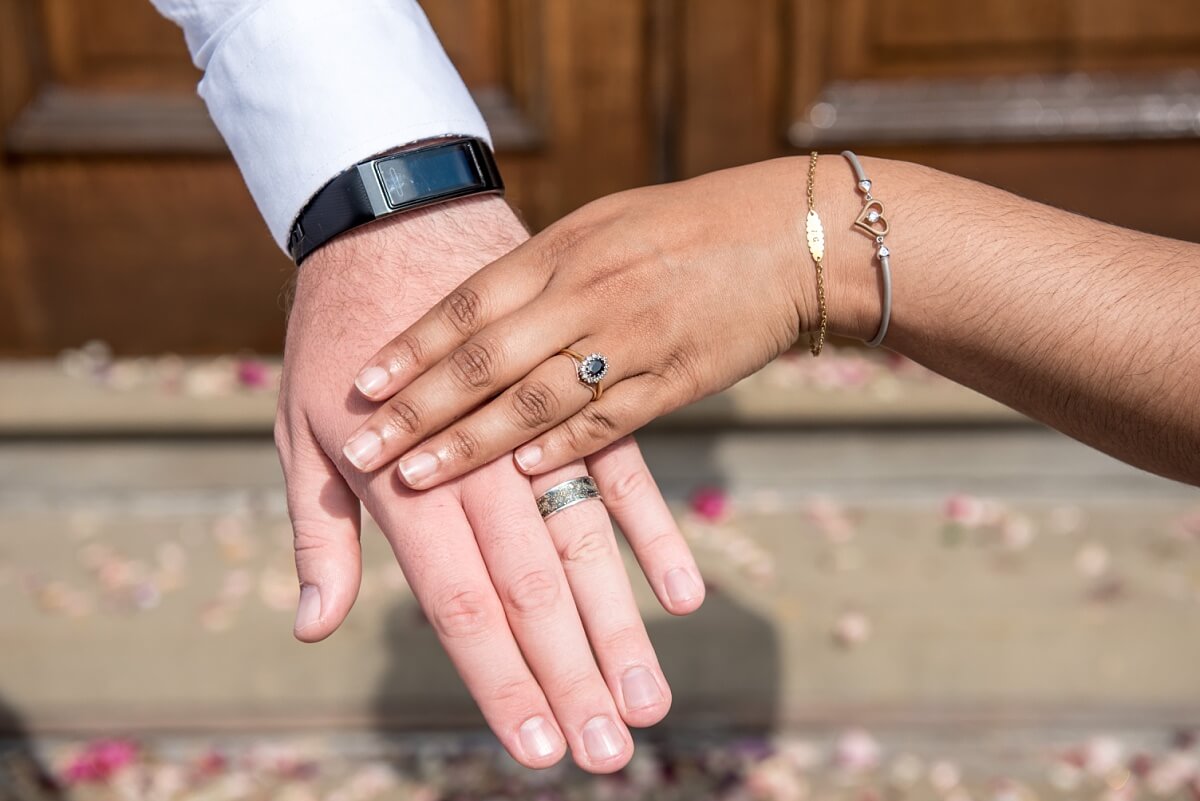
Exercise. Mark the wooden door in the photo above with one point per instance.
(124, 218)
(1091, 105)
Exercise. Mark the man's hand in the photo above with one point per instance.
(515, 602)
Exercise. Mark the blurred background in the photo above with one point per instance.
(916, 593)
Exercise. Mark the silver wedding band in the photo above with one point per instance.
(568, 493)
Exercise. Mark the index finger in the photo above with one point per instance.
(495, 291)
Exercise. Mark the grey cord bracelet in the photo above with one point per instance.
(872, 222)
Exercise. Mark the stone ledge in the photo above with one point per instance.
(148, 585)
(41, 398)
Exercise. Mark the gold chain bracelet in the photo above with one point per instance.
(816, 247)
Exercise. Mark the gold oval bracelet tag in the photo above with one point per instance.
(816, 236)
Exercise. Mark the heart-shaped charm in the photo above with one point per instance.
(871, 219)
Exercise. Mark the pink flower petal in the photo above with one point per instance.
(253, 374)
(710, 504)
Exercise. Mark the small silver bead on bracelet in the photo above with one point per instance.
(872, 222)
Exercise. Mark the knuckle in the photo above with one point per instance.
(626, 639)
(629, 486)
(610, 279)
(461, 614)
(575, 436)
(533, 594)
(308, 538)
(406, 351)
(462, 445)
(474, 365)
(512, 692)
(587, 546)
(681, 368)
(535, 404)
(463, 309)
(561, 243)
(402, 416)
(664, 544)
(576, 687)
(598, 424)
(305, 538)
(588, 430)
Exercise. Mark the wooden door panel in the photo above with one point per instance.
(1000, 71)
(1171, 27)
(950, 25)
(113, 44)
(1091, 106)
(146, 269)
(124, 218)
(130, 221)
(899, 38)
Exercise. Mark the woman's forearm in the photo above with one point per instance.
(649, 299)
(1088, 327)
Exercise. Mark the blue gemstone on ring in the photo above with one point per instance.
(593, 369)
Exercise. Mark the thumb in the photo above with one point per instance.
(326, 521)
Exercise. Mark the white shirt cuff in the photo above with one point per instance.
(304, 89)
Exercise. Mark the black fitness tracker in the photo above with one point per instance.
(411, 179)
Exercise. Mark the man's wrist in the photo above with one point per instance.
(403, 179)
(482, 228)
(420, 255)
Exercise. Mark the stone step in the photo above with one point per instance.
(945, 578)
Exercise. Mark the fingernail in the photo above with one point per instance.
(308, 611)
(681, 587)
(601, 739)
(371, 380)
(363, 449)
(417, 467)
(538, 738)
(528, 457)
(640, 689)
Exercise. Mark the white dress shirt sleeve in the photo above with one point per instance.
(304, 89)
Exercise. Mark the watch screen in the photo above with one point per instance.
(420, 175)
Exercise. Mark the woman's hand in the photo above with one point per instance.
(684, 288)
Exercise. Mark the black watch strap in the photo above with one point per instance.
(411, 179)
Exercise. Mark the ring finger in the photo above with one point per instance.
(583, 534)
(544, 618)
(555, 391)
